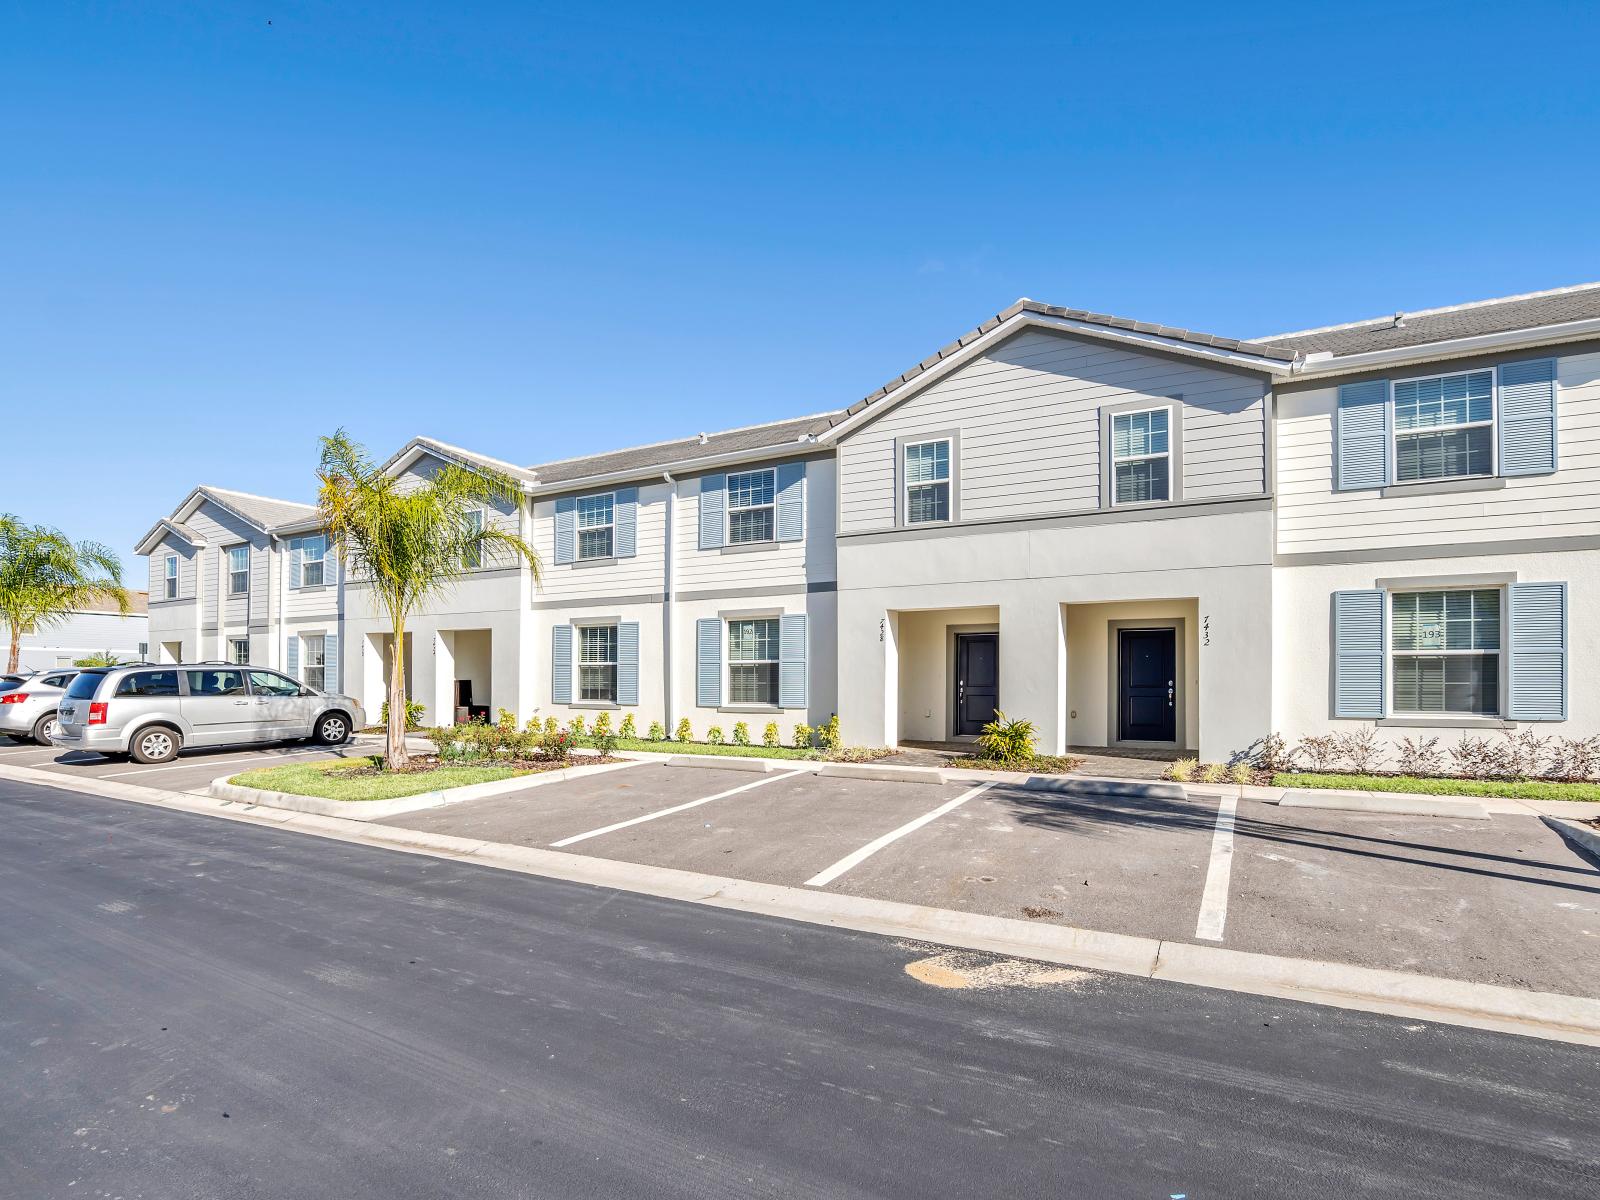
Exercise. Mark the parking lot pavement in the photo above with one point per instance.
(1130, 863)
(192, 770)
(1502, 901)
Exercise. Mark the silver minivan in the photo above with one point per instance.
(151, 712)
(28, 703)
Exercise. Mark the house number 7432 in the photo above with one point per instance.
(1205, 630)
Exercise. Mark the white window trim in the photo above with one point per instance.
(728, 662)
(474, 562)
(578, 664)
(306, 664)
(245, 590)
(579, 529)
(1502, 676)
(1396, 433)
(233, 648)
(1165, 455)
(321, 561)
(907, 485)
(170, 587)
(729, 510)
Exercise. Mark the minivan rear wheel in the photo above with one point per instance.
(333, 729)
(155, 745)
(44, 728)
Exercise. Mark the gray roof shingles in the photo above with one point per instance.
(776, 435)
(263, 510)
(1439, 325)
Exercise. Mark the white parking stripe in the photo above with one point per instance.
(1214, 900)
(676, 808)
(823, 878)
(292, 756)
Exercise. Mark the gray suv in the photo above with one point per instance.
(151, 712)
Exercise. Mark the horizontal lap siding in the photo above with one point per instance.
(639, 575)
(786, 564)
(1029, 416)
(1313, 518)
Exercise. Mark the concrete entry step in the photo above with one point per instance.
(1399, 803)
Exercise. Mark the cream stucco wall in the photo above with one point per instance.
(1091, 665)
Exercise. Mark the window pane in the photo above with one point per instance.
(311, 574)
(1443, 454)
(750, 525)
(1453, 400)
(928, 502)
(241, 650)
(750, 640)
(750, 488)
(927, 462)
(269, 683)
(149, 683)
(1136, 482)
(756, 684)
(594, 510)
(1455, 620)
(597, 644)
(1135, 434)
(594, 543)
(597, 683)
(216, 683)
(1459, 683)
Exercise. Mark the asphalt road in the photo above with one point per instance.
(191, 1007)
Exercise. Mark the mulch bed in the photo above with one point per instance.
(420, 764)
(1044, 764)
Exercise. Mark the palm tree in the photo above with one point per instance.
(409, 542)
(45, 577)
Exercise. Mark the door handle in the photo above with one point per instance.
(1169, 693)
(241, 702)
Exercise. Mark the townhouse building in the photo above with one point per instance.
(1132, 535)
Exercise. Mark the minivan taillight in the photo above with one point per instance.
(13, 698)
(97, 713)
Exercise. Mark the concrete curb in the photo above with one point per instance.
(732, 762)
(1484, 1006)
(1581, 837)
(377, 810)
(1385, 802)
(883, 773)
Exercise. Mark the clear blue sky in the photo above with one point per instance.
(226, 229)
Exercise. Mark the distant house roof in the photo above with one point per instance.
(1398, 331)
(138, 602)
(775, 435)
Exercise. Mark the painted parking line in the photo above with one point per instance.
(856, 858)
(1214, 900)
(676, 808)
(190, 764)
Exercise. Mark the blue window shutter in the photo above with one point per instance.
(566, 529)
(1362, 429)
(561, 664)
(792, 661)
(296, 548)
(1358, 654)
(791, 501)
(628, 662)
(708, 662)
(294, 655)
(330, 662)
(1528, 417)
(1538, 652)
(713, 503)
(625, 523)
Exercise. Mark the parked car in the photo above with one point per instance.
(151, 712)
(28, 704)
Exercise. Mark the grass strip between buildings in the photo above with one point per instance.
(1506, 789)
(354, 779)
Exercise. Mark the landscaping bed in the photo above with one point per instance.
(359, 779)
(1039, 764)
(1508, 789)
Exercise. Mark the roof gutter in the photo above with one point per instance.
(1453, 348)
(682, 466)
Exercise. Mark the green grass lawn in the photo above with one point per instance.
(707, 748)
(335, 780)
(1510, 789)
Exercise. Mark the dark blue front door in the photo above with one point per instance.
(1147, 682)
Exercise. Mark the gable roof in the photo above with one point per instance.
(261, 511)
(1397, 331)
(418, 446)
(774, 435)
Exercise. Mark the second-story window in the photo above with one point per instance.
(312, 555)
(171, 577)
(596, 526)
(1141, 456)
(1444, 426)
(928, 481)
(238, 570)
(474, 556)
(752, 508)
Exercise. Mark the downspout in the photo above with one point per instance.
(668, 663)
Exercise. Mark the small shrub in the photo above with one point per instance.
(602, 725)
(802, 737)
(606, 743)
(658, 732)
(1525, 752)
(1183, 770)
(1008, 739)
(534, 725)
(769, 735)
(741, 734)
(1359, 750)
(714, 735)
(1271, 754)
(506, 719)
(1472, 758)
(1414, 757)
(413, 714)
(828, 735)
(628, 729)
(1573, 758)
(578, 727)
(557, 747)
(551, 726)
(1242, 774)
(1213, 773)
(684, 733)
(1319, 752)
